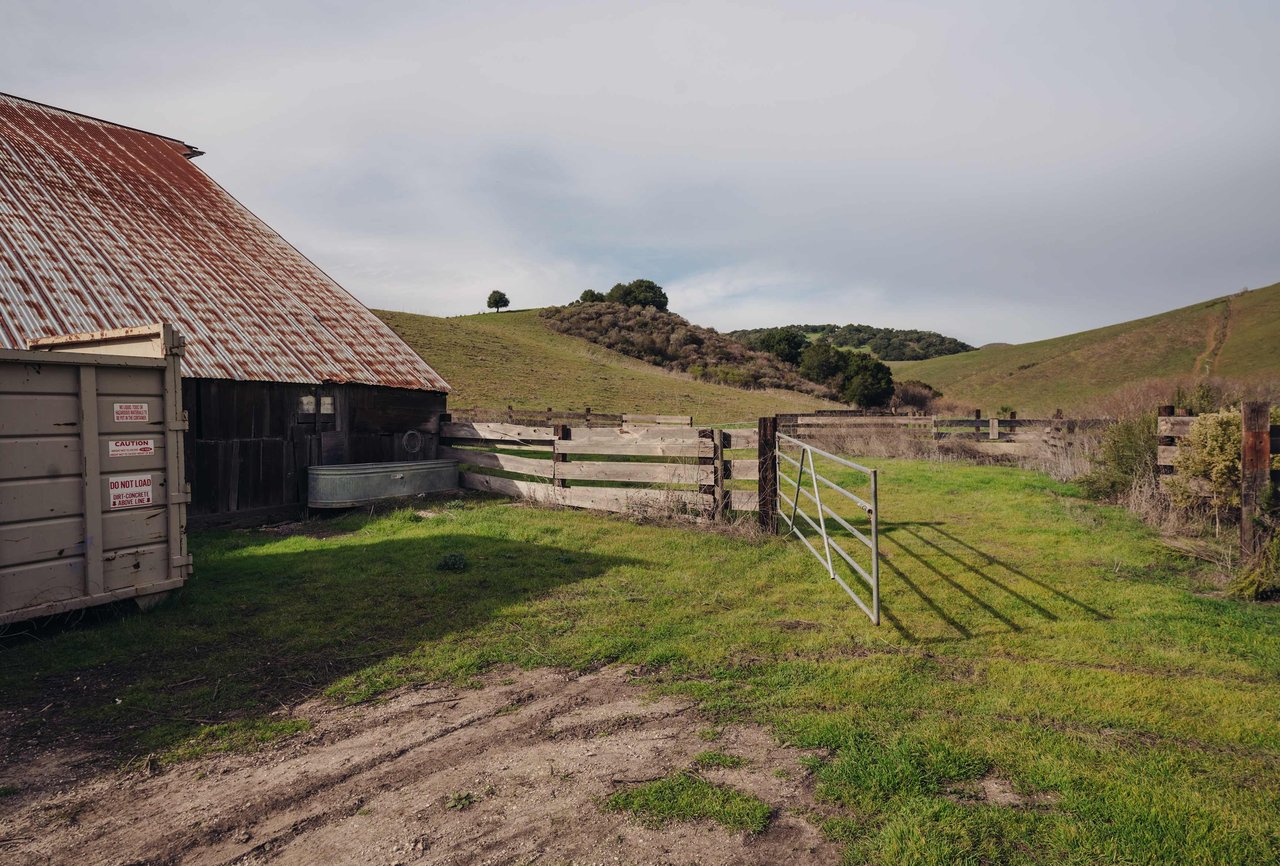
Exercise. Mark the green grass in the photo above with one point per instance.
(687, 797)
(243, 735)
(1070, 371)
(716, 760)
(496, 360)
(1027, 634)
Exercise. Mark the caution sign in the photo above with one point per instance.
(131, 412)
(131, 447)
(129, 491)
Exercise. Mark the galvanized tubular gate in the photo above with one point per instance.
(803, 465)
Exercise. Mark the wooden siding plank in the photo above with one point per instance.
(1165, 454)
(1173, 426)
(743, 439)
(611, 435)
(744, 470)
(744, 500)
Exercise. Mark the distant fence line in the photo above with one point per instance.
(990, 429)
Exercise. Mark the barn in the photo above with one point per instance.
(103, 226)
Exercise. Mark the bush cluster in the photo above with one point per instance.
(856, 376)
(889, 344)
(670, 341)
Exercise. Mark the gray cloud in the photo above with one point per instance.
(1002, 171)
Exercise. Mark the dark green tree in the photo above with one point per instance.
(591, 296)
(788, 344)
(498, 300)
(823, 363)
(868, 382)
(639, 293)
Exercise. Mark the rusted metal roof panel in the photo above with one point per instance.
(104, 226)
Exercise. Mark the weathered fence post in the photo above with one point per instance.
(1255, 472)
(562, 433)
(993, 429)
(977, 425)
(716, 461)
(767, 429)
(1163, 441)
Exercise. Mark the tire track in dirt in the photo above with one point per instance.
(533, 751)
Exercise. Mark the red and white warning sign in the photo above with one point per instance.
(131, 447)
(131, 412)
(129, 491)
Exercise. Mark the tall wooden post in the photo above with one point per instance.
(1255, 472)
(768, 472)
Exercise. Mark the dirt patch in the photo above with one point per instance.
(994, 790)
(511, 772)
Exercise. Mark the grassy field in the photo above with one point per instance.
(1233, 337)
(1029, 637)
(499, 359)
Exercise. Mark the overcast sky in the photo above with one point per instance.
(998, 171)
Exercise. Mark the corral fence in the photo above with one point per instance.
(1259, 440)
(703, 472)
(994, 429)
(584, 418)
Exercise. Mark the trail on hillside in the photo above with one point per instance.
(1207, 361)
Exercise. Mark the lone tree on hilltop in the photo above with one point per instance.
(639, 293)
(498, 300)
(868, 382)
(591, 296)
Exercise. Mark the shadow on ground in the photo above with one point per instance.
(258, 628)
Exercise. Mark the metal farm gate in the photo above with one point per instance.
(805, 485)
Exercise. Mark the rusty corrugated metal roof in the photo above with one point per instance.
(104, 226)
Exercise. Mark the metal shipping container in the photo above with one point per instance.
(92, 484)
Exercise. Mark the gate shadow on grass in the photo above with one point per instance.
(967, 573)
(258, 628)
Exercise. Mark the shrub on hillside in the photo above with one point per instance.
(914, 395)
(638, 293)
(670, 341)
(868, 382)
(591, 296)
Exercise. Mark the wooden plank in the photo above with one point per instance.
(684, 420)
(489, 460)
(659, 473)
(507, 486)
(860, 421)
(632, 499)
(743, 439)
(1165, 454)
(688, 448)
(744, 500)
(633, 434)
(515, 433)
(1173, 426)
(744, 470)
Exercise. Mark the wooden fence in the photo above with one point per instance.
(627, 468)
(550, 416)
(1259, 440)
(932, 426)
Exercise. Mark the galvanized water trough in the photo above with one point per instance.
(362, 483)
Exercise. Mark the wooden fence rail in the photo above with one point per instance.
(623, 468)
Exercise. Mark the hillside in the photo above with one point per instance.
(1235, 337)
(494, 360)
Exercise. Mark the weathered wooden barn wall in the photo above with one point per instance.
(249, 444)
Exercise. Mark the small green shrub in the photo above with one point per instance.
(1208, 463)
(1125, 456)
(1260, 579)
(452, 562)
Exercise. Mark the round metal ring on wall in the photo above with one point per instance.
(412, 441)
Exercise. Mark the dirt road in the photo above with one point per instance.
(510, 773)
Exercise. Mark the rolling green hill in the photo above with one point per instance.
(494, 360)
(1235, 337)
